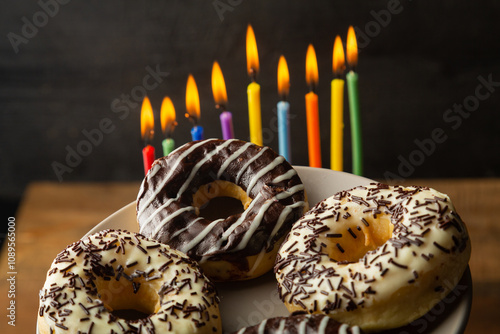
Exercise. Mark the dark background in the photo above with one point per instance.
(65, 76)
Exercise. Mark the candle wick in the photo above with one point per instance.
(192, 119)
(253, 75)
(220, 107)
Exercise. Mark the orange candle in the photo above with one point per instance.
(313, 135)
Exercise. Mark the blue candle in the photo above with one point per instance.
(197, 132)
(284, 110)
(284, 130)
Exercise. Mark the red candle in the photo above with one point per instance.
(147, 133)
(148, 156)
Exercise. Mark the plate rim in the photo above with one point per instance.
(467, 299)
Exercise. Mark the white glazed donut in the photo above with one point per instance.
(116, 270)
(377, 256)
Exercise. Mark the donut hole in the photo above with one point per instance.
(355, 238)
(220, 199)
(121, 300)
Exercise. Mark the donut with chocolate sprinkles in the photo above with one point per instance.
(242, 245)
(375, 256)
(120, 282)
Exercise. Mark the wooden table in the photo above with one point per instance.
(53, 215)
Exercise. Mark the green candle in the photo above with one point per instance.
(357, 149)
(352, 94)
(168, 146)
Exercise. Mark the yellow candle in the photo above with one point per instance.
(253, 90)
(337, 125)
(337, 108)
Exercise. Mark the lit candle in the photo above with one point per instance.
(313, 136)
(284, 110)
(168, 124)
(253, 89)
(193, 108)
(352, 88)
(337, 121)
(147, 133)
(220, 98)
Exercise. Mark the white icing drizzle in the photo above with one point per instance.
(233, 156)
(355, 330)
(281, 219)
(196, 167)
(302, 326)
(196, 240)
(253, 226)
(151, 216)
(160, 186)
(286, 176)
(170, 217)
(262, 327)
(188, 226)
(281, 329)
(245, 166)
(240, 220)
(289, 192)
(263, 172)
(343, 329)
(154, 170)
(323, 324)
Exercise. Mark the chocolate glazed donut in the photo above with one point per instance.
(300, 323)
(241, 246)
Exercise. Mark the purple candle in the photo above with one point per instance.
(226, 122)
(220, 98)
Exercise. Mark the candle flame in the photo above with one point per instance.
(218, 86)
(147, 120)
(167, 116)
(252, 54)
(338, 57)
(283, 77)
(192, 100)
(352, 47)
(311, 67)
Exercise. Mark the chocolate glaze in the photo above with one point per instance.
(164, 202)
(300, 323)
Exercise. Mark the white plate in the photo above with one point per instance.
(260, 295)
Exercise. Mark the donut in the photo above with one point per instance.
(376, 256)
(301, 324)
(237, 247)
(94, 283)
